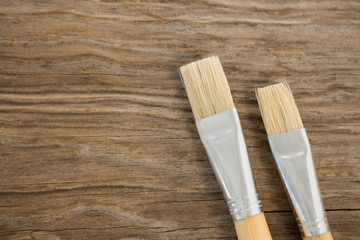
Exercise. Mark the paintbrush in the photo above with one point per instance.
(219, 128)
(291, 149)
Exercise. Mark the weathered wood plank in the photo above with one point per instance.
(97, 138)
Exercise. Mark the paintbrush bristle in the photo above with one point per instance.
(207, 87)
(278, 109)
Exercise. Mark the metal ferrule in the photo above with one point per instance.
(294, 161)
(224, 142)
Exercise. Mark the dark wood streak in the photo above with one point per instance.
(97, 138)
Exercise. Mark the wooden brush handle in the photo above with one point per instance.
(325, 236)
(253, 228)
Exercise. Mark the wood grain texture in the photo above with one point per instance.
(97, 138)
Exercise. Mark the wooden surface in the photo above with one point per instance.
(97, 138)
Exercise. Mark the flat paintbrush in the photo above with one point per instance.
(219, 128)
(291, 149)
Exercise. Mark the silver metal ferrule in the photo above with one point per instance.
(224, 142)
(294, 161)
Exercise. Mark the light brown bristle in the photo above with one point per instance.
(278, 109)
(207, 87)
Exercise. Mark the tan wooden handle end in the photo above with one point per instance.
(253, 228)
(325, 236)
